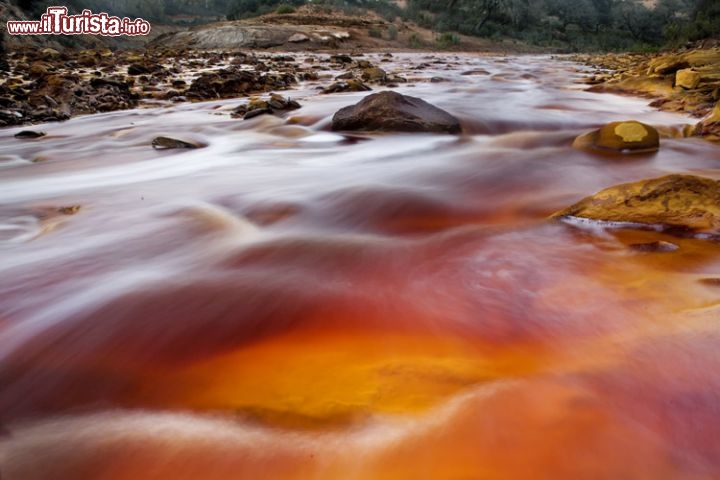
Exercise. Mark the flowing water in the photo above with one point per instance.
(292, 303)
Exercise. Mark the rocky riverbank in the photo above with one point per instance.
(49, 85)
(686, 82)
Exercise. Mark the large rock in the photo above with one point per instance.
(671, 63)
(687, 78)
(683, 203)
(374, 74)
(233, 35)
(621, 137)
(667, 64)
(393, 112)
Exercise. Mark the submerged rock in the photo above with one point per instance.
(374, 74)
(165, 143)
(683, 203)
(393, 112)
(621, 137)
(256, 106)
(26, 134)
(69, 209)
(351, 85)
(659, 246)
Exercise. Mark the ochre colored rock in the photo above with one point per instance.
(671, 63)
(709, 127)
(685, 202)
(687, 78)
(621, 137)
(667, 64)
(392, 112)
(374, 74)
(351, 85)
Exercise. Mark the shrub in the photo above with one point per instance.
(392, 32)
(375, 33)
(284, 9)
(415, 41)
(447, 39)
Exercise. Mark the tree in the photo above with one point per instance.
(581, 13)
(706, 18)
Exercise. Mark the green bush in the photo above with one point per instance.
(375, 33)
(447, 39)
(415, 41)
(392, 32)
(284, 9)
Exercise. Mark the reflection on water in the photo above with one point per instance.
(293, 303)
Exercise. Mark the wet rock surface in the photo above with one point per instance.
(621, 137)
(231, 82)
(58, 96)
(29, 134)
(351, 85)
(393, 112)
(168, 143)
(709, 127)
(683, 204)
(686, 82)
(47, 86)
(276, 104)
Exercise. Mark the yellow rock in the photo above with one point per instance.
(667, 64)
(709, 127)
(686, 202)
(687, 78)
(621, 137)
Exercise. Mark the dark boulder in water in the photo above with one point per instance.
(393, 112)
(29, 134)
(166, 143)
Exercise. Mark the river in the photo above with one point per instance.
(294, 303)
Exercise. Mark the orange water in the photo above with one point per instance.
(291, 303)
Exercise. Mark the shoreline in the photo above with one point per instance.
(686, 82)
(48, 85)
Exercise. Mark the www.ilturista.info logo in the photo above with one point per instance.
(57, 22)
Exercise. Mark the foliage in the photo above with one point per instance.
(569, 25)
(151, 10)
(415, 41)
(285, 9)
(238, 9)
(393, 32)
(447, 39)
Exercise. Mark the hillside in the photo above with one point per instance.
(321, 28)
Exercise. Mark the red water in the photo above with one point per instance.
(290, 303)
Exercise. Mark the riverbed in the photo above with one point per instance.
(290, 302)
